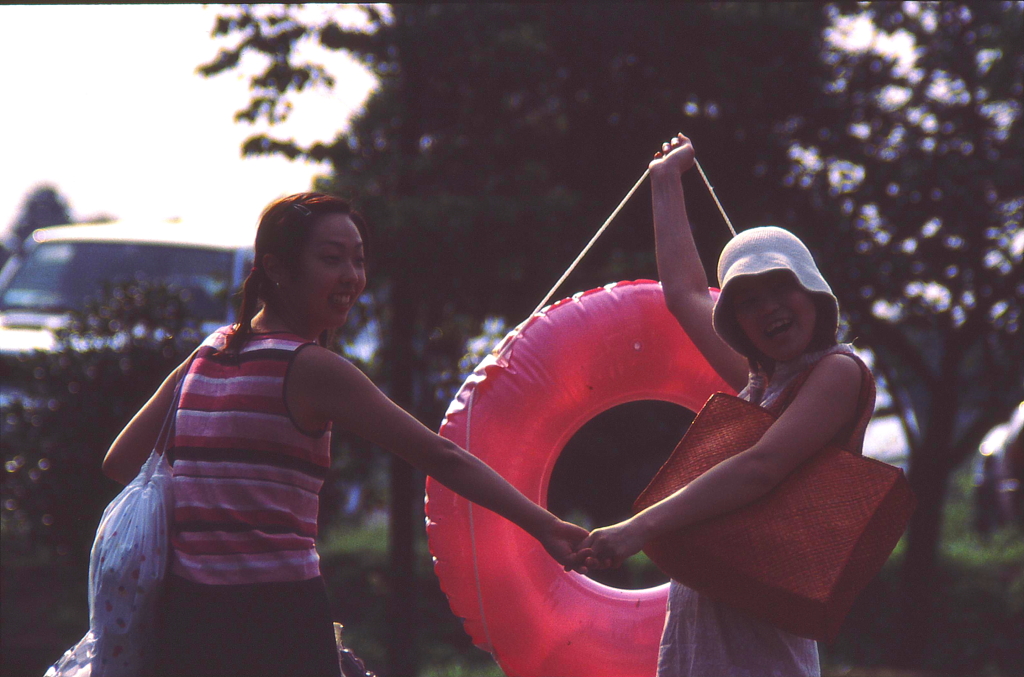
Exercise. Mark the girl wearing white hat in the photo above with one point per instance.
(774, 325)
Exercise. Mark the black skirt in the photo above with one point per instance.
(258, 630)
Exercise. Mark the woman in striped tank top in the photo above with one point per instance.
(251, 449)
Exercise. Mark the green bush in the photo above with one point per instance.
(978, 623)
(72, 403)
(69, 406)
(354, 561)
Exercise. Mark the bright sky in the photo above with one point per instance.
(105, 103)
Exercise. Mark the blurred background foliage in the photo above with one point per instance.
(886, 135)
(71, 403)
(60, 412)
(43, 206)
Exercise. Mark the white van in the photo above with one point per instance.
(63, 266)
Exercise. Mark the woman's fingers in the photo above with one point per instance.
(677, 141)
(676, 154)
(584, 559)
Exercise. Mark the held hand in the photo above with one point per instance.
(561, 540)
(676, 156)
(612, 545)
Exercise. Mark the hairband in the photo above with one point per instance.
(302, 209)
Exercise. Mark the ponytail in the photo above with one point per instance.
(246, 311)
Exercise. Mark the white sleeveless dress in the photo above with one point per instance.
(704, 638)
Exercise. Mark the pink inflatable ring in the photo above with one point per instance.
(565, 365)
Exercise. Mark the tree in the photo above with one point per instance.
(917, 160)
(486, 165)
(67, 405)
(43, 206)
(500, 137)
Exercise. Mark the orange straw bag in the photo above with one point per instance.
(796, 557)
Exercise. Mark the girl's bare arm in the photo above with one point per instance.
(679, 268)
(826, 402)
(134, 444)
(333, 389)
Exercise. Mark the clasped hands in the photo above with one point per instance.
(578, 550)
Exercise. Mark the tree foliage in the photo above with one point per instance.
(64, 408)
(918, 163)
(501, 135)
(43, 206)
(913, 156)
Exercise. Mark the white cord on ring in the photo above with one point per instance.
(608, 221)
(712, 191)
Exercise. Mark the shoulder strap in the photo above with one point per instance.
(165, 430)
(850, 436)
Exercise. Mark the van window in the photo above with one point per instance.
(60, 276)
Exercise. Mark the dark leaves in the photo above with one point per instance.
(226, 60)
(68, 406)
(261, 144)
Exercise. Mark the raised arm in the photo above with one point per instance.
(325, 387)
(679, 266)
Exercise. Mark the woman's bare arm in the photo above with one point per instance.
(330, 388)
(134, 444)
(826, 402)
(679, 267)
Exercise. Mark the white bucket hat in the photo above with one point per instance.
(760, 250)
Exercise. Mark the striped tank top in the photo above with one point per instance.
(246, 478)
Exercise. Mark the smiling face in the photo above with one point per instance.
(775, 313)
(331, 275)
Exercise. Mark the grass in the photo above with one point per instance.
(979, 616)
(979, 609)
(978, 620)
(962, 544)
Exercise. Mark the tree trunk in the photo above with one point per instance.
(930, 466)
(928, 480)
(400, 611)
(401, 604)
(403, 660)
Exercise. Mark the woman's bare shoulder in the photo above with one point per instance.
(836, 377)
(317, 365)
(841, 365)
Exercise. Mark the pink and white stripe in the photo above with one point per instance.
(246, 478)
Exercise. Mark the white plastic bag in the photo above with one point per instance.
(126, 575)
